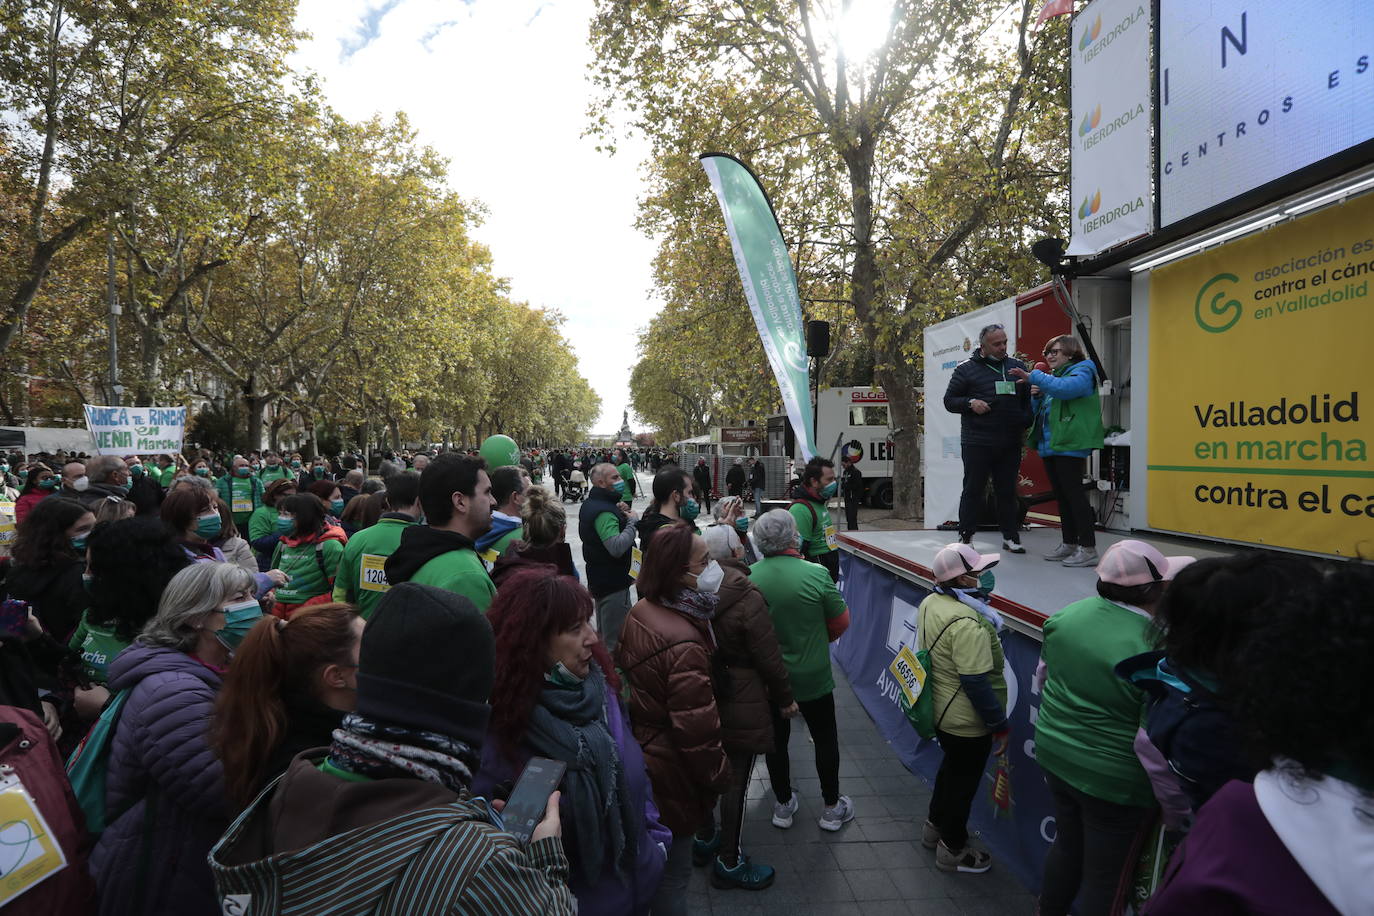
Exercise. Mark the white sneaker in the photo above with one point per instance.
(836, 817)
(1083, 556)
(782, 814)
(1062, 552)
(1012, 546)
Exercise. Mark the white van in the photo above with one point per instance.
(859, 419)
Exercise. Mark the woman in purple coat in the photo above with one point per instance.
(556, 694)
(164, 794)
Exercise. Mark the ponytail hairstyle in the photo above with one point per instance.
(672, 479)
(278, 662)
(545, 518)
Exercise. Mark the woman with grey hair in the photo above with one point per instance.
(808, 614)
(164, 792)
(729, 512)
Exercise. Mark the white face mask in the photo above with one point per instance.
(710, 578)
(81, 483)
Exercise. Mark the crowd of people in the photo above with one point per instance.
(294, 676)
(262, 669)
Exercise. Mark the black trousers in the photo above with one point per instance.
(851, 513)
(1001, 463)
(1092, 847)
(1076, 520)
(957, 784)
(831, 561)
(820, 720)
(732, 808)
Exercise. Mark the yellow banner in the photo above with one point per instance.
(1261, 408)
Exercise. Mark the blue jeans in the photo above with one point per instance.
(758, 500)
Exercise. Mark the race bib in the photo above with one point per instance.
(489, 557)
(28, 852)
(372, 573)
(241, 504)
(1007, 387)
(7, 532)
(832, 538)
(910, 676)
(6, 508)
(636, 561)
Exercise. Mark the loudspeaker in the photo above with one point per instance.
(818, 338)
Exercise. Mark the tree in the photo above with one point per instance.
(858, 123)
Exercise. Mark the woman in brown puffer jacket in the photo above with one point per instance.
(666, 649)
(757, 684)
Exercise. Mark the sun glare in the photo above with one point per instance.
(863, 29)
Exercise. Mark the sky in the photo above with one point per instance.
(500, 88)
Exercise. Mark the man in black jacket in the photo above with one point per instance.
(995, 411)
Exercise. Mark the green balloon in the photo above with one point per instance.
(499, 451)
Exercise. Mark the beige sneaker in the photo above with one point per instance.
(967, 860)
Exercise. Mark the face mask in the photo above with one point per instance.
(336, 505)
(128, 485)
(79, 542)
(80, 484)
(238, 620)
(4, 468)
(560, 676)
(296, 464)
(710, 578)
(24, 475)
(244, 472)
(202, 472)
(742, 524)
(619, 486)
(284, 524)
(318, 472)
(689, 510)
(49, 483)
(254, 465)
(136, 470)
(830, 489)
(207, 526)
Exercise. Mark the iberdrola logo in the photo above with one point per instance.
(1090, 205)
(1090, 122)
(1090, 35)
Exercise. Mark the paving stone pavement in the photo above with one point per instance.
(875, 865)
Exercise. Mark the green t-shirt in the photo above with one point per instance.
(362, 570)
(459, 571)
(299, 562)
(1085, 731)
(262, 522)
(801, 598)
(607, 525)
(812, 526)
(627, 474)
(969, 646)
(98, 647)
(243, 494)
(271, 474)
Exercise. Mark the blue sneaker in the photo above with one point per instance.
(703, 851)
(745, 875)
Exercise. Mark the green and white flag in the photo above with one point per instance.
(765, 270)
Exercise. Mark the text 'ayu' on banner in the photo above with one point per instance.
(765, 271)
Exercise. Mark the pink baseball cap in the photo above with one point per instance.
(1132, 562)
(955, 560)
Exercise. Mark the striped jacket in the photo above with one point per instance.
(443, 858)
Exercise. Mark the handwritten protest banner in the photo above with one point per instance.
(126, 431)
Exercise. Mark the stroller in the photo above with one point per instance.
(574, 487)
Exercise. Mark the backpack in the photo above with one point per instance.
(90, 762)
(912, 670)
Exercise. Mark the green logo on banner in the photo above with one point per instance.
(1218, 316)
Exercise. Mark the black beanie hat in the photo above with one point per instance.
(427, 663)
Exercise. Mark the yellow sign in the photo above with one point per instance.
(1261, 413)
(372, 573)
(29, 853)
(911, 677)
(636, 562)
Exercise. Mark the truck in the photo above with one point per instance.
(859, 420)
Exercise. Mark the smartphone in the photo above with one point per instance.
(525, 808)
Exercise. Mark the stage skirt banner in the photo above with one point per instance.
(1013, 810)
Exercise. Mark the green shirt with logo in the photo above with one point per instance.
(813, 521)
(98, 647)
(361, 579)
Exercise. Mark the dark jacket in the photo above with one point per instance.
(1006, 422)
(310, 724)
(97, 493)
(757, 476)
(666, 658)
(146, 495)
(56, 594)
(164, 788)
(649, 524)
(605, 574)
(749, 647)
(27, 750)
(702, 475)
(392, 845)
(734, 480)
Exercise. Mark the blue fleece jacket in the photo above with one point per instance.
(500, 527)
(1078, 382)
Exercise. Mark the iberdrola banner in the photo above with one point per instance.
(765, 270)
